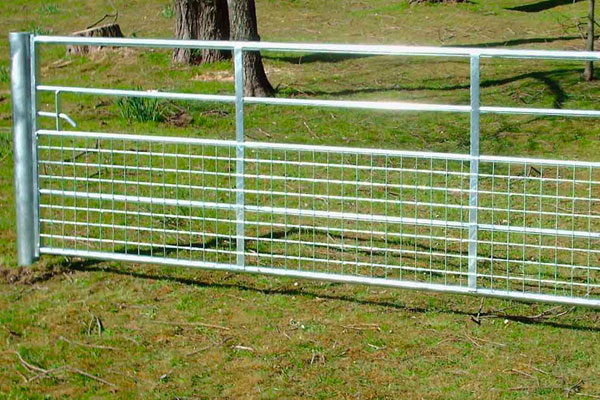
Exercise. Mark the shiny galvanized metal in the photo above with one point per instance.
(23, 147)
(509, 227)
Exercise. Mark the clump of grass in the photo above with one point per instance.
(39, 29)
(49, 9)
(167, 11)
(4, 75)
(141, 109)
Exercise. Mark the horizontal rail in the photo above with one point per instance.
(325, 229)
(341, 278)
(321, 214)
(344, 104)
(316, 148)
(364, 105)
(137, 93)
(324, 48)
(258, 209)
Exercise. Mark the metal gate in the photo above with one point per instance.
(461, 223)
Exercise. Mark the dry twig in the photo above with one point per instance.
(193, 324)
(93, 346)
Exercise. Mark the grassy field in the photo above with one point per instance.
(80, 329)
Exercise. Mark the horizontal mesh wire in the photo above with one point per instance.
(401, 216)
(539, 227)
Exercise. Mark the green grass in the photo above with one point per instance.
(288, 339)
(49, 9)
(4, 74)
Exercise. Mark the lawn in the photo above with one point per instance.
(73, 328)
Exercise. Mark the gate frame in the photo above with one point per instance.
(24, 73)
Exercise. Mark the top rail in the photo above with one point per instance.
(325, 48)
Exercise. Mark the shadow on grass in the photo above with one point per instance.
(546, 77)
(316, 57)
(542, 5)
(517, 42)
(99, 266)
(335, 58)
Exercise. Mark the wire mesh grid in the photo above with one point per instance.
(539, 227)
(363, 213)
(397, 216)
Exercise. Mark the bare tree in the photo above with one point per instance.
(588, 73)
(203, 20)
(244, 27)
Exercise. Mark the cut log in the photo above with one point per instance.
(109, 30)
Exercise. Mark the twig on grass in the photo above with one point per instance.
(225, 340)
(375, 347)
(240, 347)
(526, 374)
(88, 375)
(193, 324)
(48, 372)
(95, 323)
(29, 366)
(593, 396)
(93, 346)
(477, 319)
(362, 327)
(25, 380)
(573, 389)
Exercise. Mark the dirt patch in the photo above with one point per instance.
(30, 275)
(219, 76)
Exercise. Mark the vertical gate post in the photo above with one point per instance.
(474, 172)
(22, 107)
(239, 157)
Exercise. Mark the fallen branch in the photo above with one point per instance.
(29, 366)
(45, 372)
(88, 375)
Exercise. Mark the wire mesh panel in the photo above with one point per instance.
(392, 216)
(138, 196)
(540, 227)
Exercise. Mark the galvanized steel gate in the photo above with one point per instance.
(506, 227)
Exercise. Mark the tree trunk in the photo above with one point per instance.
(203, 20)
(588, 73)
(244, 27)
(214, 25)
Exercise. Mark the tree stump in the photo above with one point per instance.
(109, 30)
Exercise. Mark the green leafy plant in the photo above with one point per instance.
(141, 109)
(168, 12)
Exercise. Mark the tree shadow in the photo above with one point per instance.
(88, 266)
(316, 57)
(92, 265)
(542, 5)
(517, 42)
(546, 77)
(335, 58)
